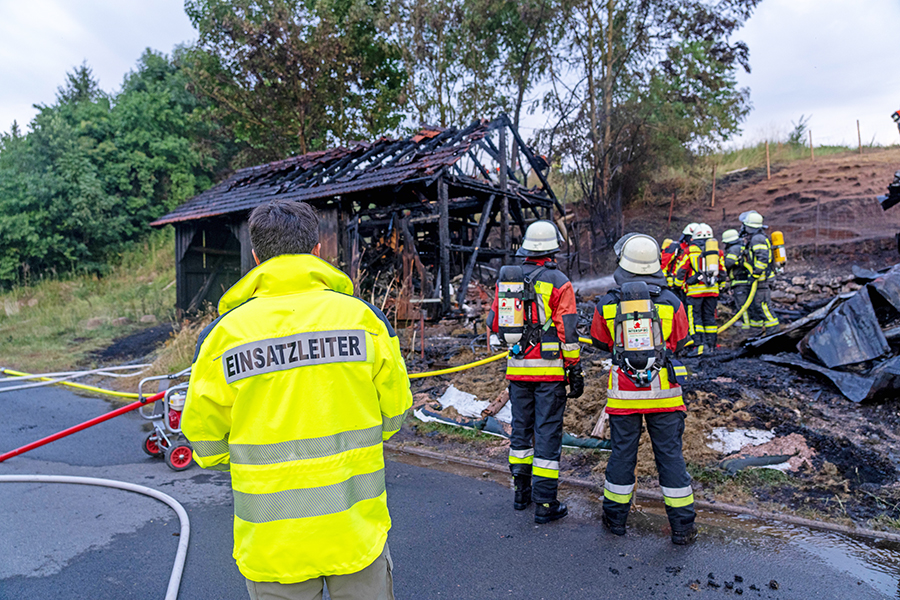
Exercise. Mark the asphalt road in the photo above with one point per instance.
(454, 536)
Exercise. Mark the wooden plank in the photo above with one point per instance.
(329, 233)
(504, 188)
(479, 239)
(444, 234)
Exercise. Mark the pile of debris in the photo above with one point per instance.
(853, 340)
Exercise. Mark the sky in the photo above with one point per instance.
(834, 61)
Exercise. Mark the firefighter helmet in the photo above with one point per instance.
(703, 232)
(752, 220)
(541, 239)
(730, 236)
(690, 229)
(640, 255)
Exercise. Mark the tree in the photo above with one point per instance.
(641, 81)
(290, 76)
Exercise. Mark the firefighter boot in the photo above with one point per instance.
(683, 537)
(614, 528)
(522, 485)
(549, 511)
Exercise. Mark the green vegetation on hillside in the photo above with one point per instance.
(56, 323)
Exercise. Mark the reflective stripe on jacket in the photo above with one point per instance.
(760, 257)
(735, 264)
(623, 395)
(556, 314)
(689, 270)
(294, 387)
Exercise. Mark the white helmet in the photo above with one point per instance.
(703, 232)
(690, 229)
(640, 255)
(729, 236)
(752, 220)
(541, 239)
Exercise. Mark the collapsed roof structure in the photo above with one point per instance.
(437, 204)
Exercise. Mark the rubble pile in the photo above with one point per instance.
(803, 290)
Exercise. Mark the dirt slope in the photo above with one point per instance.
(837, 192)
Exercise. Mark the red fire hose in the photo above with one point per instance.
(85, 425)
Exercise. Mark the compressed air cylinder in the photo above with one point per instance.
(510, 304)
(711, 258)
(780, 254)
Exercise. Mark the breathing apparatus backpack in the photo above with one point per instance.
(516, 298)
(640, 347)
(709, 262)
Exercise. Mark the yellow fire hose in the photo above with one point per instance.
(471, 365)
(80, 386)
(744, 308)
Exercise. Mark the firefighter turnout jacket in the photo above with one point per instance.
(689, 272)
(736, 264)
(670, 257)
(294, 387)
(759, 259)
(555, 342)
(623, 395)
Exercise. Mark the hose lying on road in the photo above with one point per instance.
(54, 378)
(78, 386)
(184, 536)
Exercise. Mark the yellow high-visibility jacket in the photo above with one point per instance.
(294, 387)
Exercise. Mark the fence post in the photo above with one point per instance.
(859, 136)
(812, 153)
(713, 205)
(768, 162)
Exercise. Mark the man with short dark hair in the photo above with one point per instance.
(294, 388)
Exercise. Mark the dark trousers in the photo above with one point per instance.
(536, 440)
(741, 292)
(702, 320)
(760, 314)
(666, 430)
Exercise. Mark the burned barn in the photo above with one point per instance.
(438, 205)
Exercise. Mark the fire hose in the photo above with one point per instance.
(743, 309)
(184, 536)
(144, 400)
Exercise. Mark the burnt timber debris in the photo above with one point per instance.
(439, 205)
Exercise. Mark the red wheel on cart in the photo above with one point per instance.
(151, 445)
(179, 456)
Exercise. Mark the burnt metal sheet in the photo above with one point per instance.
(786, 339)
(854, 387)
(879, 383)
(850, 334)
(888, 286)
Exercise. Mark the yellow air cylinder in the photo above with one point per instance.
(780, 254)
(711, 257)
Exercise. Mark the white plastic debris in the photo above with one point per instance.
(730, 441)
(468, 405)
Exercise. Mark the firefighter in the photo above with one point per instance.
(544, 355)
(699, 271)
(759, 261)
(672, 254)
(738, 275)
(643, 385)
(293, 389)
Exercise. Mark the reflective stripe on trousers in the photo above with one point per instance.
(666, 430)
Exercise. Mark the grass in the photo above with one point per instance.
(455, 433)
(55, 324)
(754, 157)
(748, 478)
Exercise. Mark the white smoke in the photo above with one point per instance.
(598, 285)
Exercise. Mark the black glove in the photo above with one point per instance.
(576, 381)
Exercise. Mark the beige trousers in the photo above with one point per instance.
(375, 582)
